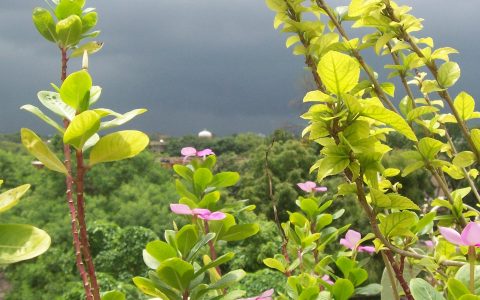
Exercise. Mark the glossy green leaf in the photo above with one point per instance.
(148, 287)
(186, 238)
(10, 198)
(199, 245)
(448, 74)
(429, 148)
(201, 179)
(69, 31)
(342, 289)
(465, 105)
(91, 48)
(389, 118)
(217, 262)
(75, 90)
(40, 150)
(184, 172)
(43, 21)
(67, 8)
(274, 264)
(339, 72)
(89, 20)
(463, 275)
(224, 179)
(176, 273)
(117, 146)
(423, 290)
(82, 127)
(20, 242)
(122, 119)
(113, 295)
(36, 111)
(398, 223)
(240, 232)
(53, 102)
(456, 288)
(315, 96)
(160, 250)
(228, 279)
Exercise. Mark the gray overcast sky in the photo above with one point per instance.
(195, 64)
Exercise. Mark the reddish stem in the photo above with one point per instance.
(83, 226)
(399, 275)
(71, 205)
(211, 246)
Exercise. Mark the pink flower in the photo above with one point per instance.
(310, 186)
(190, 151)
(327, 279)
(201, 213)
(351, 241)
(267, 295)
(470, 235)
(429, 244)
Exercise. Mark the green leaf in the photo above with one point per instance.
(291, 40)
(40, 150)
(91, 48)
(456, 288)
(398, 223)
(75, 90)
(200, 244)
(176, 273)
(420, 111)
(43, 21)
(240, 232)
(463, 275)
(315, 96)
(369, 290)
(122, 119)
(201, 179)
(339, 72)
(220, 260)
(67, 8)
(186, 238)
(20, 242)
(429, 148)
(69, 31)
(389, 118)
(342, 289)
(448, 74)
(36, 111)
(228, 280)
(475, 134)
(274, 264)
(464, 159)
(113, 295)
(423, 290)
(82, 127)
(224, 179)
(89, 20)
(184, 172)
(148, 287)
(465, 105)
(52, 101)
(10, 198)
(117, 146)
(160, 250)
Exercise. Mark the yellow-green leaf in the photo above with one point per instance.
(11, 197)
(315, 96)
(390, 118)
(20, 242)
(82, 127)
(75, 90)
(339, 72)
(465, 105)
(40, 150)
(117, 146)
(448, 74)
(69, 31)
(464, 159)
(43, 21)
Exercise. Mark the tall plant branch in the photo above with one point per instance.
(69, 193)
(81, 170)
(274, 206)
(376, 85)
(432, 66)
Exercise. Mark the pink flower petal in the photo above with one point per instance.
(218, 215)
(429, 244)
(369, 249)
(471, 234)
(353, 237)
(205, 152)
(267, 294)
(181, 209)
(452, 236)
(346, 244)
(201, 211)
(327, 279)
(189, 151)
(307, 186)
(321, 189)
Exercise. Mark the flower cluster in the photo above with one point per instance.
(201, 213)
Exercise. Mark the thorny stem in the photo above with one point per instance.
(275, 211)
(471, 259)
(431, 65)
(358, 56)
(81, 170)
(399, 275)
(71, 205)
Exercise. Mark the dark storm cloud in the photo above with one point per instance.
(212, 64)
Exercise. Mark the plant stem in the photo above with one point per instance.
(472, 257)
(391, 276)
(399, 275)
(71, 205)
(83, 226)
(211, 246)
